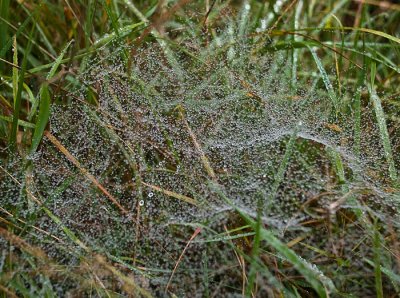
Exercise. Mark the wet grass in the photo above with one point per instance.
(345, 239)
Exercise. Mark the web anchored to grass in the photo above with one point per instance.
(222, 165)
(157, 137)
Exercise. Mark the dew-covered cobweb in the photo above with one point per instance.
(161, 132)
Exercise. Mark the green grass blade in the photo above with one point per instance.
(383, 131)
(279, 176)
(325, 78)
(111, 14)
(377, 262)
(20, 122)
(43, 117)
(4, 14)
(15, 70)
(58, 61)
(44, 111)
(394, 277)
(366, 30)
(255, 251)
(17, 105)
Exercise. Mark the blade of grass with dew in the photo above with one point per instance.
(366, 30)
(244, 18)
(325, 78)
(337, 160)
(357, 109)
(383, 131)
(71, 235)
(225, 238)
(338, 62)
(58, 61)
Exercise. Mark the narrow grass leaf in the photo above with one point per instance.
(377, 262)
(43, 117)
(15, 70)
(325, 78)
(58, 61)
(20, 122)
(17, 105)
(384, 134)
(172, 194)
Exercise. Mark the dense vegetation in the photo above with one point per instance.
(206, 148)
